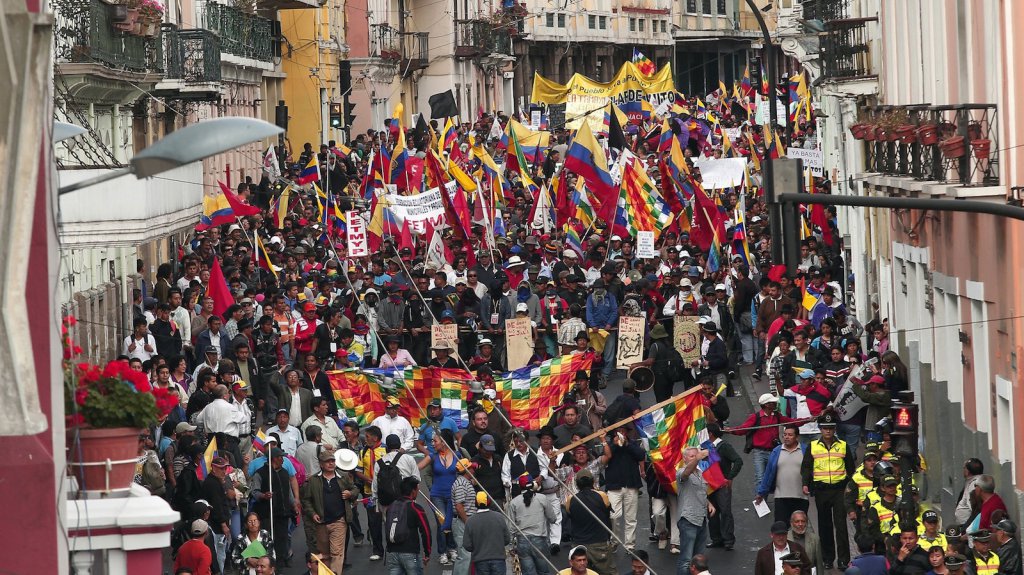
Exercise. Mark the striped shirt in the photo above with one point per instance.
(463, 492)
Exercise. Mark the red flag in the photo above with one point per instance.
(707, 220)
(218, 290)
(456, 210)
(240, 208)
(405, 238)
(413, 179)
(819, 217)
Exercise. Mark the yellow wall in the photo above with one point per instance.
(310, 60)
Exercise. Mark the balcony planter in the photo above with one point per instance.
(860, 130)
(103, 460)
(871, 133)
(906, 134)
(928, 134)
(982, 148)
(128, 24)
(973, 131)
(955, 147)
(885, 134)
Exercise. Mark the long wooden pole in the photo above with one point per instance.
(638, 415)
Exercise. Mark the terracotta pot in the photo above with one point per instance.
(859, 130)
(95, 447)
(906, 133)
(870, 133)
(955, 147)
(885, 135)
(928, 134)
(982, 148)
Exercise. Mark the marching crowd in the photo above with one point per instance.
(290, 465)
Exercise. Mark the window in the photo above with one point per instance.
(632, 24)
(664, 26)
(592, 21)
(603, 22)
(561, 20)
(640, 21)
(721, 7)
(705, 6)
(691, 6)
(550, 20)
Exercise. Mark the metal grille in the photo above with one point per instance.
(242, 34)
(84, 32)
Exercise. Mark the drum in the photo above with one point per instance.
(643, 376)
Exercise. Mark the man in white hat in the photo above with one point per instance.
(761, 440)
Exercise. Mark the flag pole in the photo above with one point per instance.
(631, 419)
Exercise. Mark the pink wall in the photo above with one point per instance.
(145, 561)
(357, 29)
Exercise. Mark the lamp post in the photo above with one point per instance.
(189, 144)
(774, 207)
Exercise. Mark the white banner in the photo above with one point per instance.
(721, 173)
(812, 159)
(356, 230)
(644, 244)
(417, 209)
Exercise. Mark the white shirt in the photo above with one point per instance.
(180, 316)
(332, 436)
(399, 426)
(290, 436)
(243, 408)
(295, 411)
(406, 466)
(222, 417)
(506, 465)
(778, 557)
(140, 347)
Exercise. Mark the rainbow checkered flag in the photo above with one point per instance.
(532, 393)
(679, 424)
(357, 395)
(415, 387)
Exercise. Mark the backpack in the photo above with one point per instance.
(396, 524)
(389, 481)
(672, 364)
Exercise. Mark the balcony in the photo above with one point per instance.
(241, 34)
(844, 48)
(85, 33)
(483, 38)
(952, 144)
(385, 43)
(192, 63)
(826, 10)
(415, 52)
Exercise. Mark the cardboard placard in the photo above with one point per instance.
(448, 333)
(518, 342)
(686, 337)
(631, 341)
(644, 244)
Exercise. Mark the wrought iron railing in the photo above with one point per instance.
(469, 36)
(386, 43)
(415, 51)
(241, 33)
(192, 56)
(84, 32)
(825, 10)
(844, 48)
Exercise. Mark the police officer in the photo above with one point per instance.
(955, 563)
(930, 533)
(792, 563)
(827, 467)
(880, 521)
(983, 561)
(862, 483)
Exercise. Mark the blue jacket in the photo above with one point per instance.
(204, 340)
(768, 480)
(604, 314)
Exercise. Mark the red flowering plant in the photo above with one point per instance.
(112, 396)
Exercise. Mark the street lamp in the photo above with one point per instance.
(189, 144)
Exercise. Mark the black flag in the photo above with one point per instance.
(443, 105)
(616, 139)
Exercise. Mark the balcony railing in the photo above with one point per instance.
(241, 34)
(475, 38)
(955, 144)
(415, 51)
(385, 42)
(826, 10)
(193, 56)
(84, 32)
(845, 53)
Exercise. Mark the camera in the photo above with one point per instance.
(884, 425)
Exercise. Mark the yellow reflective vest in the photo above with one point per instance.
(864, 485)
(987, 566)
(829, 462)
(887, 522)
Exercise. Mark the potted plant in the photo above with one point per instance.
(982, 148)
(954, 147)
(928, 134)
(107, 408)
(906, 133)
(151, 13)
(860, 130)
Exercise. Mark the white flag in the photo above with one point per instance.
(496, 130)
(270, 163)
(435, 251)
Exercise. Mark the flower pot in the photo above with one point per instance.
(906, 134)
(955, 147)
(982, 148)
(885, 135)
(928, 134)
(973, 131)
(96, 447)
(859, 130)
(870, 133)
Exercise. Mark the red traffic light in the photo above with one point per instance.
(904, 419)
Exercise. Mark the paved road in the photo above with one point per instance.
(751, 532)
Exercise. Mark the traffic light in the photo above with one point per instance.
(755, 73)
(904, 416)
(350, 116)
(335, 114)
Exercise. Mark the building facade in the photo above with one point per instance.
(920, 102)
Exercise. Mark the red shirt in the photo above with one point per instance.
(195, 555)
(993, 503)
(764, 438)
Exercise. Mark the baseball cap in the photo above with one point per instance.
(219, 462)
(481, 498)
(392, 441)
(767, 398)
(183, 426)
(199, 527)
(779, 528)
(720, 287)
(929, 516)
(522, 307)
(1006, 526)
(487, 443)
